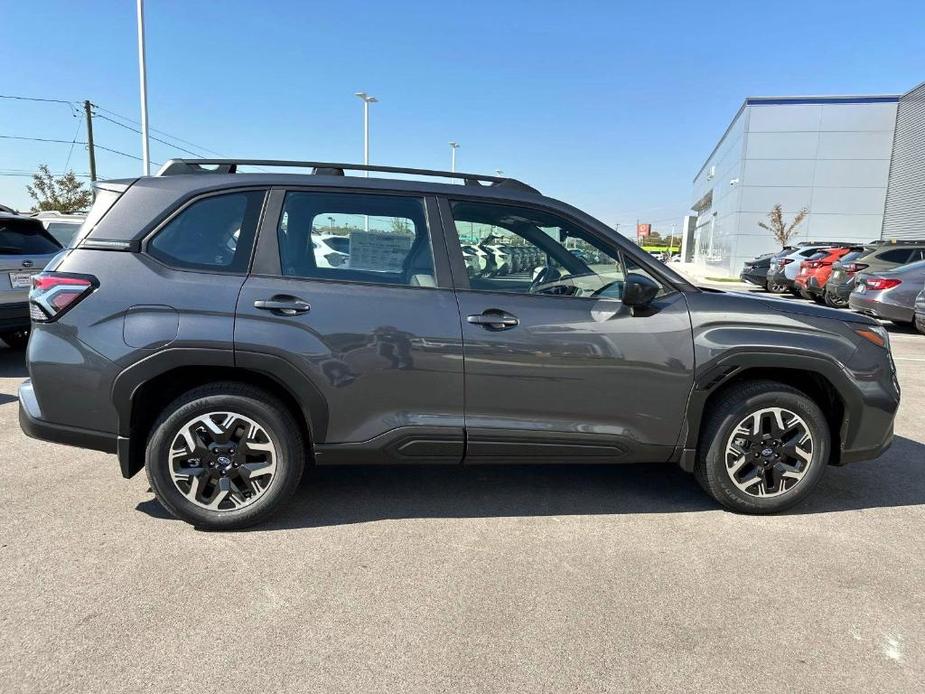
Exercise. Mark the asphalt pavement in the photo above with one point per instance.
(507, 579)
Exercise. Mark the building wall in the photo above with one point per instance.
(905, 199)
(829, 156)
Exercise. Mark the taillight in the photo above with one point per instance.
(54, 294)
(785, 261)
(815, 264)
(853, 267)
(880, 283)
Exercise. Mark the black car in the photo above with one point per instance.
(756, 271)
(189, 330)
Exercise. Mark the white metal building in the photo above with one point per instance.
(856, 163)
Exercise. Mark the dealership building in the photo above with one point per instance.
(855, 163)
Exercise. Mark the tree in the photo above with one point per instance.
(780, 230)
(58, 193)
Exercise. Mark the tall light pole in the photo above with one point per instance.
(367, 100)
(453, 147)
(143, 78)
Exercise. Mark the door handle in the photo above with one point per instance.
(284, 305)
(493, 319)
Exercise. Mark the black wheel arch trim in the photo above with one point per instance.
(733, 363)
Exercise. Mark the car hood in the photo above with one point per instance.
(798, 308)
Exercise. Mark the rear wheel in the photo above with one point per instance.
(775, 288)
(224, 456)
(833, 301)
(920, 324)
(764, 447)
(818, 298)
(16, 339)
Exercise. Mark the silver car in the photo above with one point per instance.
(25, 248)
(920, 312)
(891, 294)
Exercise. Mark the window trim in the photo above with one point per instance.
(266, 262)
(144, 246)
(458, 265)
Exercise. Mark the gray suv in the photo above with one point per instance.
(190, 329)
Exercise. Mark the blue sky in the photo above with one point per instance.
(611, 106)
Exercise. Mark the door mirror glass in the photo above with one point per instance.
(639, 290)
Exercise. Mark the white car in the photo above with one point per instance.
(61, 226)
(331, 250)
(784, 269)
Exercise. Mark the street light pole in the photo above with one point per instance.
(367, 100)
(143, 78)
(453, 147)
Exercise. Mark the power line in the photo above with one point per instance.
(156, 139)
(68, 142)
(72, 104)
(155, 130)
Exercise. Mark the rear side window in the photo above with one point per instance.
(214, 233)
(895, 255)
(26, 237)
(354, 237)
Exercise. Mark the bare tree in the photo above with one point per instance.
(781, 231)
(61, 193)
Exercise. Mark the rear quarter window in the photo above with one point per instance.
(895, 255)
(214, 233)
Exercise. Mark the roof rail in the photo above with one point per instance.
(229, 166)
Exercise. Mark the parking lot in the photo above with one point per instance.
(505, 579)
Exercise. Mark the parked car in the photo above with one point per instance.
(841, 281)
(883, 255)
(815, 272)
(756, 271)
(62, 226)
(223, 359)
(920, 312)
(331, 250)
(890, 294)
(25, 248)
(783, 270)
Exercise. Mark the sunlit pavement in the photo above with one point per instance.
(509, 579)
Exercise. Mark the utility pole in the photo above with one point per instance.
(89, 114)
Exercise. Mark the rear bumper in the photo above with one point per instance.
(840, 290)
(14, 316)
(32, 424)
(878, 306)
(780, 278)
(756, 277)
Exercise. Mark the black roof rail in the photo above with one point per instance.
(175, 167)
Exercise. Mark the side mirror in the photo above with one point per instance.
(639, 290)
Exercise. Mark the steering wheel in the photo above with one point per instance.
(546, 275)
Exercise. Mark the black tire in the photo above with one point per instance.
(16, 339)
(735, 405)
(904, 323)
(833, 302)
(818, 298)
(776, 288)
(254, 403)
(920, 324)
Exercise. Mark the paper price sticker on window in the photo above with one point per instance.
(381, 251)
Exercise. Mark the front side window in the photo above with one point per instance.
(214, 233)
(355, 237)
(527, 251)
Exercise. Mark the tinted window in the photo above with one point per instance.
(25, 237)
(527, 251)
(214, 233)
(63, 231)
(895, 255)
(853, 255)
(353, 237)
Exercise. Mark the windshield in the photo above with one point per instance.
(26, 237)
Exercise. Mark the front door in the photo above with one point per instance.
(348, 306)
(557, 368)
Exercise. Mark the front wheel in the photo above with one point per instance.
(224, 456)
(765, 446)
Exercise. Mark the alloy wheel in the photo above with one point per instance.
(222, 461)
(769, 452)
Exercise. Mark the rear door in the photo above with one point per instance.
(369, 338)
(557, 368)
(25, 248)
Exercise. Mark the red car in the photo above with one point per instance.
(815, 272)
